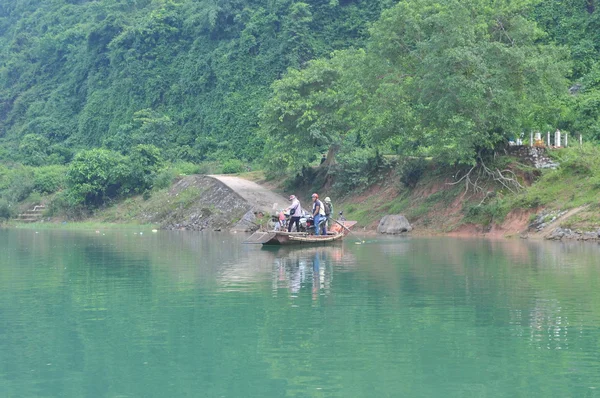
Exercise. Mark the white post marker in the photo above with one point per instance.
(531, 139)
(548, 138)
(566, 140)
(557, 140)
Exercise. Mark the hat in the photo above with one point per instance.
(328, 199)
(314, 195)
(292, 197)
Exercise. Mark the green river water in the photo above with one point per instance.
(181, 314)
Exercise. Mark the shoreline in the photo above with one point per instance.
(361, 232)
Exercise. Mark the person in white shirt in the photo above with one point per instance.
(295, 211)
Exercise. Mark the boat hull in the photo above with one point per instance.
(299, 238)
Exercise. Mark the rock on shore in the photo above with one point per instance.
(568, 234)
(394, 224)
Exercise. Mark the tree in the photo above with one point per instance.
(147, 127)
(297, 28)
(472, 71)
(311, 109)
(94, 176)
(449, 79)
(143, 164)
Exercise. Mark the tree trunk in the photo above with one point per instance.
(330, 156)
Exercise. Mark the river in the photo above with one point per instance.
(178, 314)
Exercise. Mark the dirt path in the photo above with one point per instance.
(256, 195)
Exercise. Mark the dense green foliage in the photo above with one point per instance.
(118, 91)
(185, 76)
(27, 184)
(447, 79)
(99, 174)
(188, 76)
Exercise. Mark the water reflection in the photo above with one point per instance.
(310, 268)
(83, 314)
(549, 327)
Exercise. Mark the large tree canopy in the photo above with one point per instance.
(442, 78)
(474, 72)
(312, 109)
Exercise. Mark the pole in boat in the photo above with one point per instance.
(347, 229)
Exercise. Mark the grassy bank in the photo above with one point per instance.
(439, 202)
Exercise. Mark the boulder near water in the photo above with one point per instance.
(394, 224)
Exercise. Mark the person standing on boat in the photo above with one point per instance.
(328, 212)
(295, 213)
(318, 212)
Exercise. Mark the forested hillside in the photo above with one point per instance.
(98, 98)
(187, 76)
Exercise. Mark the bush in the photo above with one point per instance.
(34, 149)
(94, 176)
(34, 198)
(208, 168)
(164, 179)
(578, 161)
(49, 179)
(6, 210)
(20, 184)
(98, 175)
(142, 165)
(59, 155)
(61, 205)
(186, 168)
(232, 166)
(57, 204)
(576, 165)
(485, 214)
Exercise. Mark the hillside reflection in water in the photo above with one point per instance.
(120, 313)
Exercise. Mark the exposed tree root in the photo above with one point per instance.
(480, 173)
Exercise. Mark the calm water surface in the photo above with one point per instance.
(118, 314)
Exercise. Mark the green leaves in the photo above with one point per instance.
(476, 72)
(311, 109)
(97, 175)
(446, 79)
(198, 78)
(201, 67)
(93, 176)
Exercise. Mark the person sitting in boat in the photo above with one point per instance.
(280, 226)
(318, 213)
(295, 211)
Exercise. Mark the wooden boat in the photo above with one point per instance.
(336, 233)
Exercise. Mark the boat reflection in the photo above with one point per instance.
(299, 269)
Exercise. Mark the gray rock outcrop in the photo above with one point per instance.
(568, 234)
(394, 224)
(216, 203)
